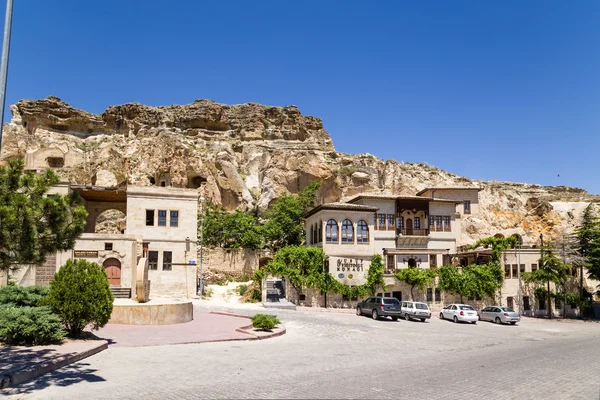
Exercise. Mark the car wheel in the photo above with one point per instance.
(498, 321)
(394, 318)
(512, 323)
(375, 315)
(422, 319)
(455, 319)
(474, 322)
(407, 317)
(358, 311)
(441, 316)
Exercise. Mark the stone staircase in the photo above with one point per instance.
(120, 292)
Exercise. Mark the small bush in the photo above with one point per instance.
(80, 295)
(264, 322)
(29, 325)
(242, 289)
(207, 293)
(20, 296)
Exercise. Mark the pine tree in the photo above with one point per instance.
(588, 235)
(32, 224)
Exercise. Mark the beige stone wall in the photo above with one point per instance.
(459, 195)
(233, 261)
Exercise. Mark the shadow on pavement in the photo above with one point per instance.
(65, 376)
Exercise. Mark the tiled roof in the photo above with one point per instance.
(398, 197)
(340, 206)
(420, 192)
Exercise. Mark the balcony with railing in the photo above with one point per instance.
(413, 232)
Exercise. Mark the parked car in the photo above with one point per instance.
(414, 310)
(378, 306)
(499, 315)
(460, 312)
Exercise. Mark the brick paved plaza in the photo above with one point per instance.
(329, 355)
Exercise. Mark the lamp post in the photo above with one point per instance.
(4, 62)
(201, 281)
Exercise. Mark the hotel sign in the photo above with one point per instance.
(85, 253)
(349, 270)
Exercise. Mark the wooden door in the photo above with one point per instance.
(409, 226)
(112, 266)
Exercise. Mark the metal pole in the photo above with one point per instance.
(519, 277)
(4, 62)
(201, 243)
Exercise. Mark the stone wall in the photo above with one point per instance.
(45, 272)
(234, 262)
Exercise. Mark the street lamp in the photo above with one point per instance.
(4, 62)
(201, 281)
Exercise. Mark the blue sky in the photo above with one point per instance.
(504, 90)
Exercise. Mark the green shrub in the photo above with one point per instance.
(242, 289)
(20, 296)
(80, 295)
(29, 325)
(264, 322)
(207, 293)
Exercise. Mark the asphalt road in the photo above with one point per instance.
(326, 355)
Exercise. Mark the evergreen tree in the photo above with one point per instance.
(588, 235)
(33, 225)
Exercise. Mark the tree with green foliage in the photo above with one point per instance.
(33, 225)
(471, 281)
(231, 230)
(80, 295)
(418, 277)
(551, 270)
(285, 218)
(303, 267)
(497, 244)
(588, 237)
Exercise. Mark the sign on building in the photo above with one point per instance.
(85, 253)
(349, 270)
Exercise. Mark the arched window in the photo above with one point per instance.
(320, 231)
(312, 235)
(347, 231)
(362, 232)
(316, 232)
(331, 231)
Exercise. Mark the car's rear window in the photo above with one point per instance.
(507, 309)
(466, 308)
(391, 301)
(421, 306)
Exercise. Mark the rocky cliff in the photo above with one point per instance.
(245, 155)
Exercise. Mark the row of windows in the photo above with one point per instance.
(437, 223)
(167, 260)
(347, 232)
(510, 302)
(512, 268)
(162, 218)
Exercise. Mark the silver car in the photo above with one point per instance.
(499, 315)
(415, 310)
(378, 306)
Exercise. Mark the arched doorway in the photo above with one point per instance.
(412, 263)
(112, 266)
(111, 221)
(409, 226)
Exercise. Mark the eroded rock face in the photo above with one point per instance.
(244, 156)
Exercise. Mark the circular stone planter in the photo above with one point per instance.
(154, 312)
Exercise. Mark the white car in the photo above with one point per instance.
(414, 310)
(460, 312)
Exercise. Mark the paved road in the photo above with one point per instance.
(327, 355)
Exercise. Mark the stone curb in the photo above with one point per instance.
(243, 329)
(37, 370)
(327, 310)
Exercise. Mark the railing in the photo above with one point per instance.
(413, 232)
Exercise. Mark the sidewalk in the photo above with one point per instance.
(22, 363)
(206, 327)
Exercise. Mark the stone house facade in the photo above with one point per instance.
(158, 223)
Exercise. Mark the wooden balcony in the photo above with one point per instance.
(413, 232)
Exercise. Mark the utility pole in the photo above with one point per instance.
(201, 281)
(519, 276)
(4, 61)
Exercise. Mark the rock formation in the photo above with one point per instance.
(245, 155)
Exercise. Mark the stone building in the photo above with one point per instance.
(125, 224)
(420, 231)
